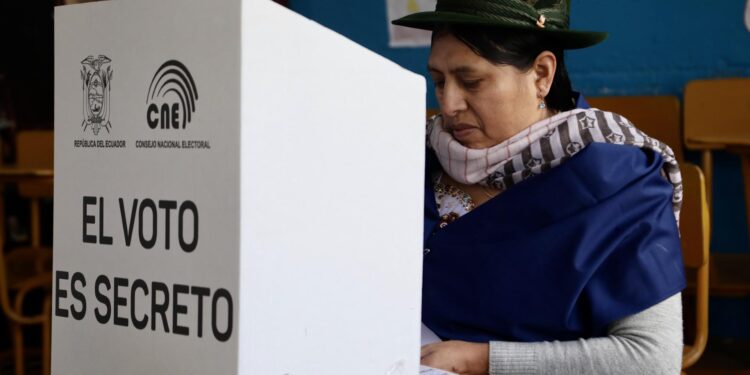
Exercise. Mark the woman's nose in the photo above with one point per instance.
(452, 101)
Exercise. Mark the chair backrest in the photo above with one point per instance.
(716, 110)
(35, 149)
(694, 231)
(657, 116)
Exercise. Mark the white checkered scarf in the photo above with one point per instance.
(543, 146)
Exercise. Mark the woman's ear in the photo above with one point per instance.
(544, 68)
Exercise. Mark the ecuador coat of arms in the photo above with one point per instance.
(96, 75)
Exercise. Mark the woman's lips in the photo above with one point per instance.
(462, 131)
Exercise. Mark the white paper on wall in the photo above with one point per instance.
(747, 15)
(405, 36)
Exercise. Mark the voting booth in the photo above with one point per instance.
(238, 190)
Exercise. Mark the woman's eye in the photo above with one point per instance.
(439, 83)
(472, 84)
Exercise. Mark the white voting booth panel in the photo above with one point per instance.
(238, 190)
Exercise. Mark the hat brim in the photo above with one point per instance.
(567, 39)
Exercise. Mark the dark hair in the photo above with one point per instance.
(518, 49)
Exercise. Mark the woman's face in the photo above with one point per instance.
(482, 104)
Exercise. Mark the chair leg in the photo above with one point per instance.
(707, 164)
(17, 334)
(36, 231)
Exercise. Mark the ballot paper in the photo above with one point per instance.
(426, 370)
(428, 337)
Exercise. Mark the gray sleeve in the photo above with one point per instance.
(649, 342)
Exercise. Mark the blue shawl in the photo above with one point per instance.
(559, 256)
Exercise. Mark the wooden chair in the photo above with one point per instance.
(659, 117)
(35, 149)
(25, 269)
(695, 234)
(717, 117)
(14, 310)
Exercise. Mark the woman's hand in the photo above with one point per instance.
(461, 357)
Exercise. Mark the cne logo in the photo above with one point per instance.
(171, 97)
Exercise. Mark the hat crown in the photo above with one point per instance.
(549, 18)
(518, 12)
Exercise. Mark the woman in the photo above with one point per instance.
(551, 242)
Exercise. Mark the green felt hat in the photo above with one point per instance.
(545, 17)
